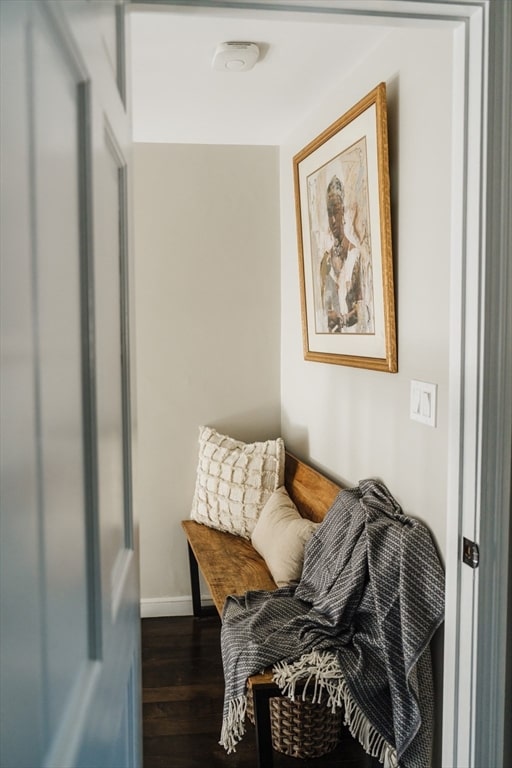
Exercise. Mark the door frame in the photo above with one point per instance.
(480, 329)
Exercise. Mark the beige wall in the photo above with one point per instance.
(207, 296)
(354, 423)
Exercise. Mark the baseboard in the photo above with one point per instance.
(153, 607)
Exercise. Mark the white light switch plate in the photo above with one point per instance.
(423, 402)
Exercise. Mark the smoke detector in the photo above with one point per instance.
(235, 57)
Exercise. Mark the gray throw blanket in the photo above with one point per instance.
(357, 626)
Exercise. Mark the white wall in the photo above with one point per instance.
(207, 285)
(354, 423)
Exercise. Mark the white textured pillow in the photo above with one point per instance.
(280, 536)
(234, 480)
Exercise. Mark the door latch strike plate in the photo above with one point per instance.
(470, 553)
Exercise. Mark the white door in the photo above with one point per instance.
(69, 652)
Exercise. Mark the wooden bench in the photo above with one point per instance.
(231, 566)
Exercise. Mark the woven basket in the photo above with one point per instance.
(301, 728)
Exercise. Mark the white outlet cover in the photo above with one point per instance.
(423, 402)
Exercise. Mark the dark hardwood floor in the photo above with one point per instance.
(183, 687)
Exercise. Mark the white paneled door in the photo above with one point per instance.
(69, 653)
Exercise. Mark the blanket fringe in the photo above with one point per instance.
(233, 724)
(322, 669)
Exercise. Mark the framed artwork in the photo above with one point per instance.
(344, 236)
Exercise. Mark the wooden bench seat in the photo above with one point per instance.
(231, 566)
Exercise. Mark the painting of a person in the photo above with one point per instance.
(345, 270)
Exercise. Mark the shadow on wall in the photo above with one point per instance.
(247, 426)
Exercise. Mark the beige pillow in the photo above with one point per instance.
(235, 480)
(280, 536)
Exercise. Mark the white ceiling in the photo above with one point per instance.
(179, 98)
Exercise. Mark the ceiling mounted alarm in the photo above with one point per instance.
(235, 57)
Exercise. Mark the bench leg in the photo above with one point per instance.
(197, 607)
(262, 724)
(194, 583)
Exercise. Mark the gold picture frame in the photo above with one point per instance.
(343, 212)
